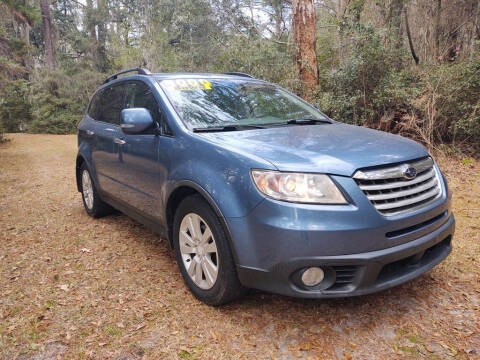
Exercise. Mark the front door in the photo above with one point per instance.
(107, 128)
(142, 165)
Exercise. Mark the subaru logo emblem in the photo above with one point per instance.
(410, 173)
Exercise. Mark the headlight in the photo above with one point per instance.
(298, 187)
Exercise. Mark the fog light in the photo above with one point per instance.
(312, 276)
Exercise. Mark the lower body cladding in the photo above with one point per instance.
(318, 263)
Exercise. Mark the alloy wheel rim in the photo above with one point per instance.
(199, 251)
(87, 189)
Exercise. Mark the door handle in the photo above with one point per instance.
(119, 141)
(89, 132)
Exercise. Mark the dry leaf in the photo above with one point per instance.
(141, 326)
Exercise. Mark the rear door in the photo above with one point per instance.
(107, 132)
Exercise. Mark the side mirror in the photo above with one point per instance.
(136, 120)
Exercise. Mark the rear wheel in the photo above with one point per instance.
(203, 253)
(94, 206)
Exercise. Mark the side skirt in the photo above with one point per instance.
(136, 215)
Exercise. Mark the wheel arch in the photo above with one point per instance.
(82, 159)
(187, 188)
(78, 165)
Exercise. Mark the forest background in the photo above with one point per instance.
(410, 67)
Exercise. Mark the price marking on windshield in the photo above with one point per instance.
(207, 85)
(189, 84)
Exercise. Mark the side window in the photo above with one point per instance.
(94, 105)
(139, 95)
(111, 104)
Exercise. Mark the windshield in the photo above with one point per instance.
(204, 103)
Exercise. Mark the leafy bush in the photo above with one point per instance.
(450, 104)
(367, 86)
(378, 86)
(266, 60)
(15, 110)
(59, 99)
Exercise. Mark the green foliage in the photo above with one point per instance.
(24, 11)
(263, 59)
(374, 86)
(452, 93)
(366, 74)
(15, 110)
(367, 85)
(59, 99)
(13, 53)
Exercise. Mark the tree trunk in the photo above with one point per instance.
(304, 41)
(341, 12)
(476, 29)
(410, 41)
(89, 24)
(395, 21)
(89, 21)
(97, 30)
(47, 34)
(277, 6)
(102, 61)
(438, 14)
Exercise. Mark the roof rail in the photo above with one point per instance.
(239, 74)
(140, 71)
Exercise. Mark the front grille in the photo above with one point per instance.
(406, 265)
(404, 231)
(397, 189)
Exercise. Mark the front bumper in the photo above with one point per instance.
(368, 272)
(360, 250)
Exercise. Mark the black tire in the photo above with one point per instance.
(227, 287)
(99, 207)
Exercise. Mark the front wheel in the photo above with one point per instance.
(203, 253)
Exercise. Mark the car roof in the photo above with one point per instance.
(180, 75)
(185, 75)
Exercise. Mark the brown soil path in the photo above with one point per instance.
(72, 287)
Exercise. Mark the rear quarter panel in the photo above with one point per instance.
(86, 143)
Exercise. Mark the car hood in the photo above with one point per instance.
(327, 148)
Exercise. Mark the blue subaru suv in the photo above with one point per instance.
(255, 188)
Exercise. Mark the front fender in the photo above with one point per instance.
(200, 190)
(221, 175)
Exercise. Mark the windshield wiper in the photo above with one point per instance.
(308, 121)
(226, 128)
(300, 121)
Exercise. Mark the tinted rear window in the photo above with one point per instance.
(94, 107)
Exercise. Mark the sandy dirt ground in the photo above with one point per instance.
(72, 287)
